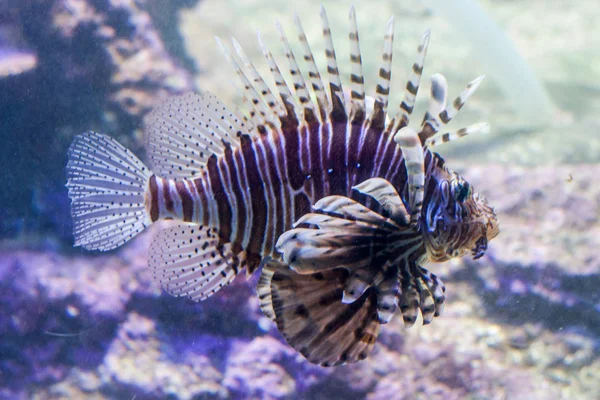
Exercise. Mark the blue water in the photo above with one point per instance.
(520, 323)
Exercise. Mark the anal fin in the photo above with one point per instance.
(190, 260)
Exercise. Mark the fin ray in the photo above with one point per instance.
(308, 109)
(313, 320)
(440, 138)
(382, 90)
(432, 125)
(313, 71)
(412, 86)
(338, 109)
(386, 195)
(189, 260)
(284, 91)
(357, 80)
(261, 86)
(412, 150)
(185, 131)
(107, 185)
(437, 96)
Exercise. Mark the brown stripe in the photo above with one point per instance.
(344, 316)
(405, 107)
(366, 155)
(275, 182)
(154, 199)
(417, 69)
(282, 164)
(301, 205)
(412, 89)
(187, 202)
(220, 196)
(169, 204)
(338, 111)
(204, 202)
(356, 95)
(317, 168)
(258, 194)
(357, 79)
(391, 158)
(458, 103)
(292, 154)
(337, 158)
(385, 74)
(381, 90)
(444, 117)
(236, 186)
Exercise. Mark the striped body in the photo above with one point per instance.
(256, 192)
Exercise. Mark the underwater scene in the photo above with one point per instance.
(344, 206)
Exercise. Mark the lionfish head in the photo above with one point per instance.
(457, 220)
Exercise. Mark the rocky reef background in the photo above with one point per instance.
(69, 66)
(521, 323)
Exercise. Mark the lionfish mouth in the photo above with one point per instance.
(490, 227)
(480, 247)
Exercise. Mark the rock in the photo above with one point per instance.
(137, 362)
(75, 65)
(254, 370)
(16, 57)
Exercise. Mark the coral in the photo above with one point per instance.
(67, 66)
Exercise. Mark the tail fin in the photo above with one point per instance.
(107, 185)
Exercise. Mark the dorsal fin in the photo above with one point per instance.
(437, 96)
(185, 131)
(260, 85)
(382, 91)
(446, 137)
(262, 114)
(338, 109)
(432, 125)
(285, 94)
(412, 86)
(357, 80)
(308, 108)
(313, 71)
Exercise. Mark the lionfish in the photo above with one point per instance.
(341, 205)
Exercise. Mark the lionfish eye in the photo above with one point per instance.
(463, 190)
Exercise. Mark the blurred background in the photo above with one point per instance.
(521, 323)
